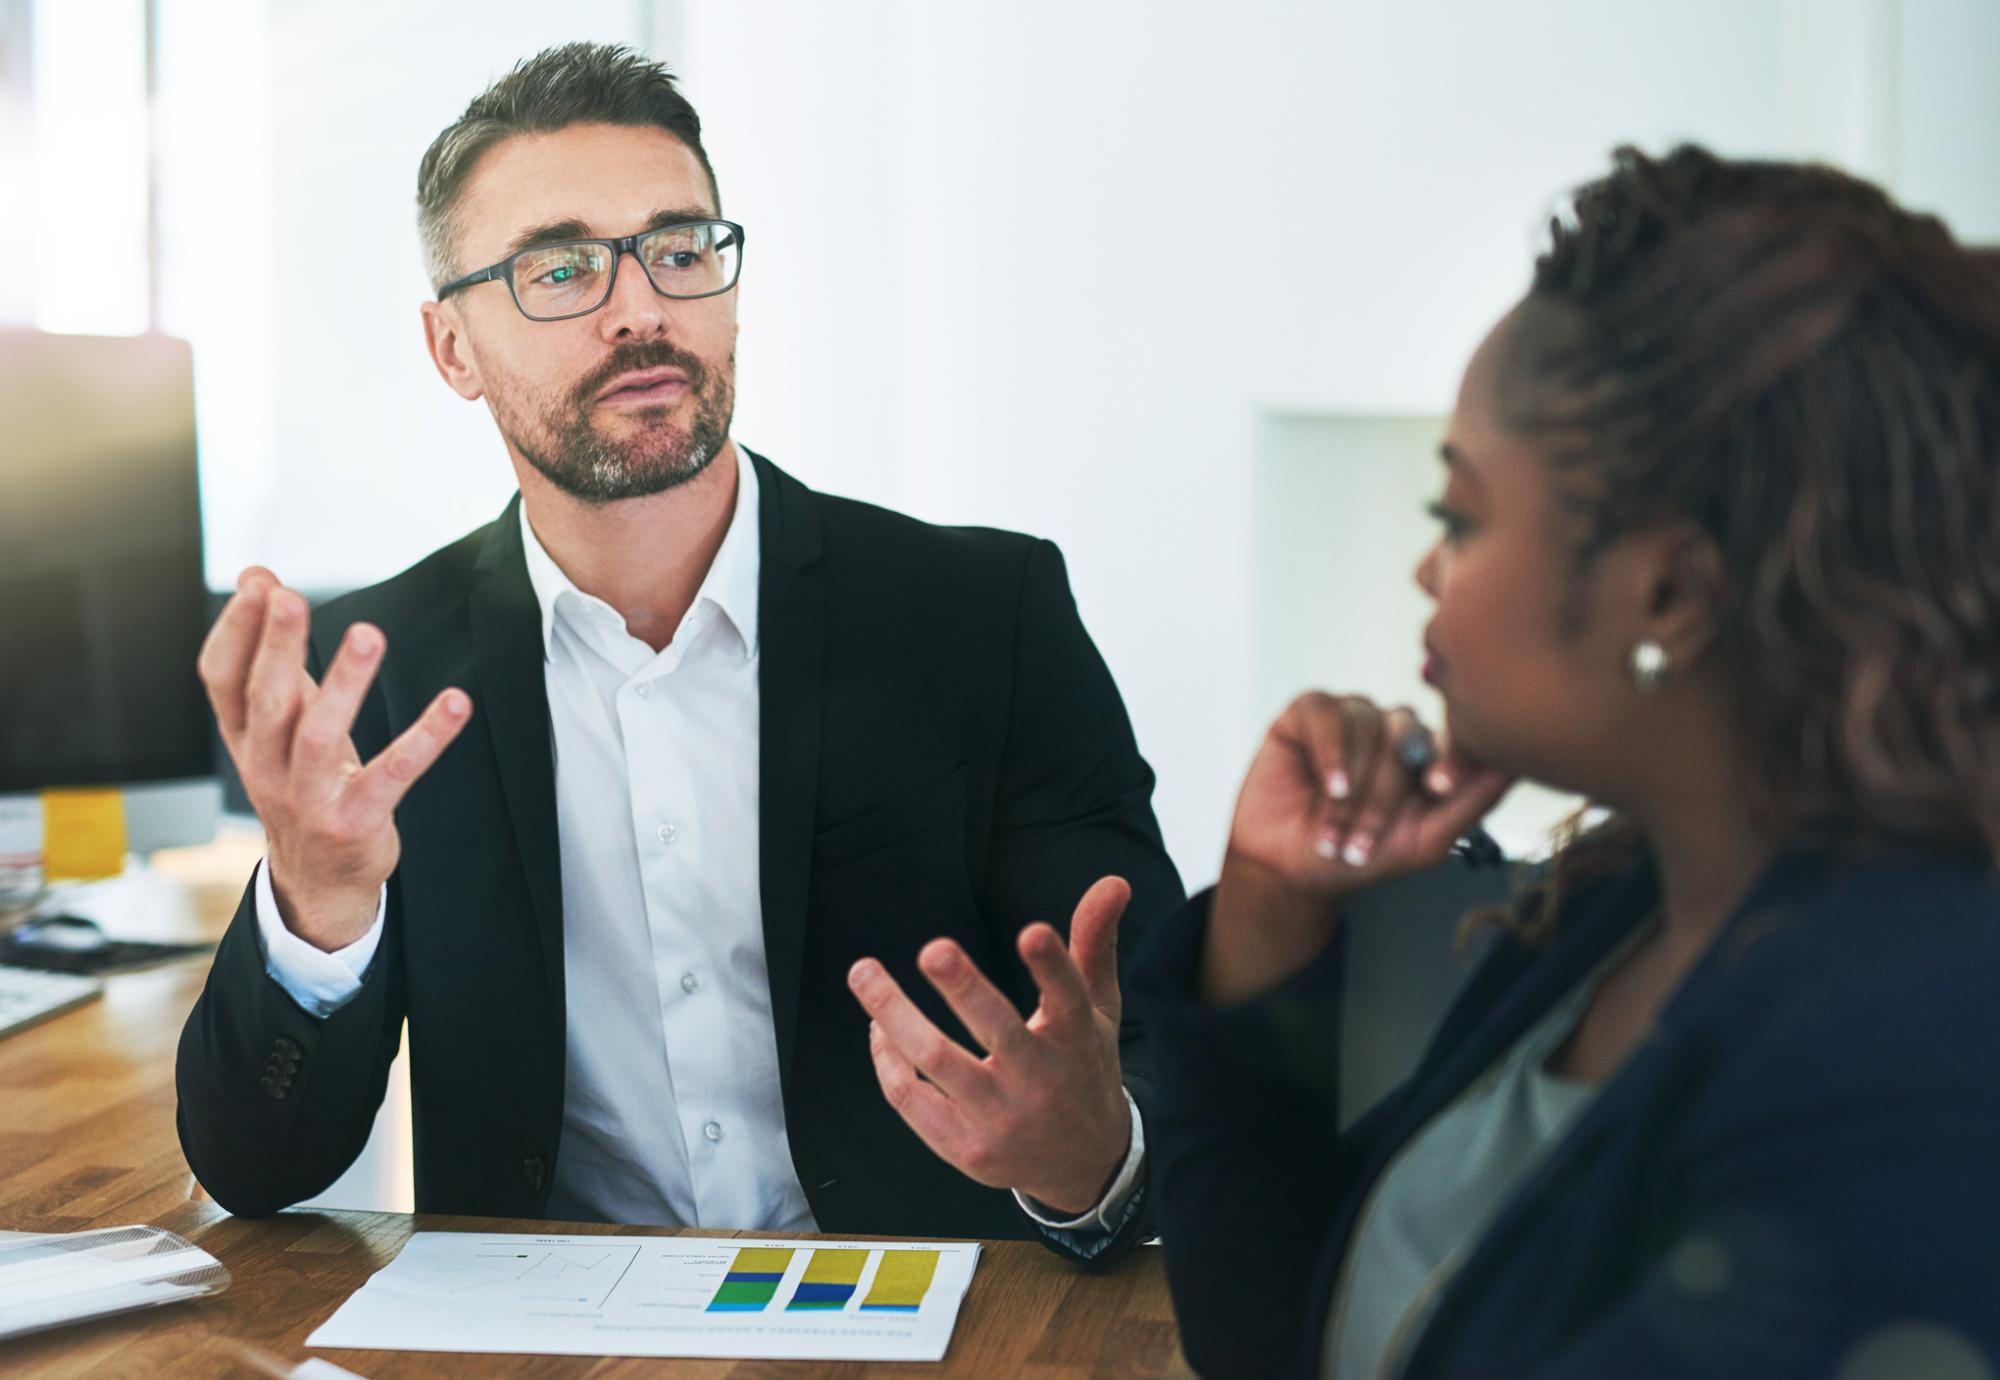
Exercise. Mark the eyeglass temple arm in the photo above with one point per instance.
(489, 274)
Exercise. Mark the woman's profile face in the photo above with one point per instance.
(1525, 689)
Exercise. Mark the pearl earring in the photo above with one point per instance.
(1649, 665)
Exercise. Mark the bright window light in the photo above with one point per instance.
(91, 131)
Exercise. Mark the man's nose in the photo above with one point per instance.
(634, 309)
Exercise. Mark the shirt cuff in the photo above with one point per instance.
(1110, 1210)
(320, 982)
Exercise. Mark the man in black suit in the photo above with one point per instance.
(654, 909)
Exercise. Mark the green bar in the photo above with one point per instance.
(752, 1292)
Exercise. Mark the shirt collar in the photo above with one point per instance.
(730, 584)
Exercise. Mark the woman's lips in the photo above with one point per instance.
(1433, 669)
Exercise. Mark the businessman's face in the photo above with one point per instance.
(631, 399)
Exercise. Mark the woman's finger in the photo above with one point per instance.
(1449, 819)
(1385, 787)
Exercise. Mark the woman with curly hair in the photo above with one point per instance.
(1720, 552)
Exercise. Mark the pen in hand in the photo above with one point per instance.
(1416, 751)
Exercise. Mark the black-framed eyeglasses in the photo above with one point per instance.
(554, 282)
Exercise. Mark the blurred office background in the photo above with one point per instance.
(1183, 286)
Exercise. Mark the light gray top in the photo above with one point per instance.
(1433, 1203)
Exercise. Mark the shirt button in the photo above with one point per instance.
(642, 689)
(689, 982)
(667, 833)
(712, 1129)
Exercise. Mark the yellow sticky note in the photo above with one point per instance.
(83, 834)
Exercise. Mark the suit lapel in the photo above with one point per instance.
(512, 700)
(791, 622)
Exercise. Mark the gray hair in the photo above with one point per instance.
(574, 84)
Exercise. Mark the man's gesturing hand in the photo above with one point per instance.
(330, 820)
(1044, 1111)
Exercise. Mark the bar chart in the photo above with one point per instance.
(752, 1281)
(901, 1281)
(829, 1281)
(597, 1295)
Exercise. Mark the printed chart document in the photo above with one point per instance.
(660, 1296)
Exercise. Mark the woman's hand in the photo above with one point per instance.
(1328, 808)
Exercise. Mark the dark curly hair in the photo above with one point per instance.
(1810, 374)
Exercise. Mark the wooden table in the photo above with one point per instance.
(87, 1140)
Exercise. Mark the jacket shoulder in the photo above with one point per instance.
(855, 531)
(1884, 976)
(410, 602)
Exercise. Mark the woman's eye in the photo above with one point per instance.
(1454, 522)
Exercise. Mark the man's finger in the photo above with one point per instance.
(381, 785)
(1093, 940)
(224, 659)
(988, 1016)
(924, 1109)
(277, 686)
(1065, 1000)
(956, 1073)
(325, 730)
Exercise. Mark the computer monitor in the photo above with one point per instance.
(103, 603)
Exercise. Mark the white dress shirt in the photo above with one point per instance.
(672, 1112)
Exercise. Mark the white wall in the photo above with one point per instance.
(1126, 236)
(1137, 232)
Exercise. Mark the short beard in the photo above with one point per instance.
(588, 465)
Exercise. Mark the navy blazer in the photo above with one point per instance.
(1797, 1171)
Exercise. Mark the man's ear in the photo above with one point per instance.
(451, 350)
(1688, 582)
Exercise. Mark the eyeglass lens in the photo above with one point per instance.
(569, 279)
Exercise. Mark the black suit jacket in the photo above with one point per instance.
(943, 753)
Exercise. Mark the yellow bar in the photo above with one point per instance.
(835, 1267)
(83, 834)
(902, 1279)
(760, 1260)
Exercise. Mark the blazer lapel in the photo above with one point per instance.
(1544, 981)
(1456, 1059)
(512, 699)
(1647, 1084)
(791, 626)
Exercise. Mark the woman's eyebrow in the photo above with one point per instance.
(1457, 461)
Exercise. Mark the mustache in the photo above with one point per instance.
(651, 354)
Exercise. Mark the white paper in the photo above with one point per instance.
(49, 1279)
(660, 1296)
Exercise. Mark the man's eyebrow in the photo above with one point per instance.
(555, 231)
